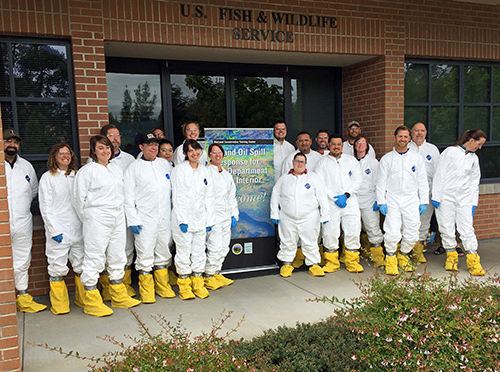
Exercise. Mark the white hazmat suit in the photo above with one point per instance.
(280, 151)
(312, 160)
(348, 149)
(179, 156)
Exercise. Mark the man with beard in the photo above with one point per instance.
(22, 188)
(303, 145)
(353, 132)
(322, 141)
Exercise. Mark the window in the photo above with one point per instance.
(451, 97)
(36, 95)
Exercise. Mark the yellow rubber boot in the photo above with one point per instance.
(332, 262)
(404, 262)
(417, 253)
(365, 245)
(391, 265)
(162, 287)
(59, 297)
(185, 291)
(377, 256)
(172, 278)
(104, 282)
(352, 262)
(223, 280)
(286, 271)
(127, 280)
(451, 261)
(94, 305)
(298, 261)
(315, 270)
(474, 264)
(211, 282)
(120, 297)
(79, 292)
(198, 285)
(147, 288)
(26, 304)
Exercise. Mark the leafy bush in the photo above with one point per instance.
(417, 323)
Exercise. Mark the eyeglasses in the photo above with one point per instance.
(63, 153)
(167, 150)
(216, 152)
(299, 161)
(322, 137)
(113, 136)
(151, 144)
(361, 143)
(303, 140)
(280, 128)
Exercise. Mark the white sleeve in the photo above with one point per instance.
(275, 198)
(129, 202)
(423, 184)
(45, 198)
(355, 183)
(232, 199)
(209, 201)
(383, 173)
(324, 206)
(440, 175)
(474, 182)
(33, 182)
(82, 185)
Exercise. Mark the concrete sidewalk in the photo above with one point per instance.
(265, 302)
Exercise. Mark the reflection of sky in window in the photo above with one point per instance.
(180, 81)
(117, 83)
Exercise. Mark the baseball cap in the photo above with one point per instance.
(147, 138)
(351, 123)
(10, 133)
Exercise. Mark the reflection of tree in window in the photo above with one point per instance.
(416, 83)
(258, 104)
(444, 84)
(476, 84)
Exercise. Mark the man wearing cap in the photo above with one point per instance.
(430, 155)
(353, 132)
(281, 147)
(22, 188)
(147, 206)
(303, 143)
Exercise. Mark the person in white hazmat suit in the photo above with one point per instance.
(402, 195)
(191, 130)
(430, 155)
(193, 215)
(303, 143)
(63, 228)
(98, 200)
(342, 177)
(226, 218)
(367, 199)
(353, 131)
(281, 148)
(455, 195)
(298, 205)
(22, 187)
(148, 208)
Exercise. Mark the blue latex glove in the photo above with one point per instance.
(383, 209)
(422, 208)
(325, 222)
(208, 229)
(375, 207)
(473, 211)
(59, 238)
(435, 204)
(234, 221)
(340, 200)
(184, 227)
(136, 229)
(275, 221)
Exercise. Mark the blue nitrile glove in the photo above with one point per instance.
(208, 229)
(275, 221)
(383, 209)
(422, 208)
(58, 238)
(136, 229)
(325, 222)
(340, 200)
(435, 204)
(430, 238)
(184, 227)
(234, 221)
(473, 211)
(375, 207)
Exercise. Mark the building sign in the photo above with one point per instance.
(249, 159)
(272, 23)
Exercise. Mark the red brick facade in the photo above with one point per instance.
(373, 90)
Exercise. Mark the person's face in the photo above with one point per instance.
(322, 140)
(193, 154)
(63, 158)
(361, 145)
(354, 131)
(418, 133)
(473, 145)
(299, 164)
(166, 151)
(402, 139)
(304, 143)
(149, 150)
(336, 147)
(280, 131)
(192, 131)
(102, 152)
(159, 134)
(11, 146)
(115, 138)
(216, 155)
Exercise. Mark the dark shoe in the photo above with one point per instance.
(440, 250)
(460, 252)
